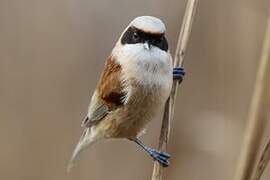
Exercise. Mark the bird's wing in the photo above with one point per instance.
(108, 96)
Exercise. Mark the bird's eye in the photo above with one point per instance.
(135, 36)
(160, 40)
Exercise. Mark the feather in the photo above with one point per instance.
(96, 116)
(110, 87)
(88, 138)
(108, 96)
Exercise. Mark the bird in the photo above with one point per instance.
(133, 87)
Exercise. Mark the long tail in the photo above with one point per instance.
(87, 139)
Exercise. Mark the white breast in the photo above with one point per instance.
(151, 69)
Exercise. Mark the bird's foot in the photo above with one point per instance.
(178, 73)
(161, 157)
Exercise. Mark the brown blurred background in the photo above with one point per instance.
(51, 55)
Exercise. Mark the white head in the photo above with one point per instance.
(143, 42)
(149, 24)
(143, 48)
(146, 30)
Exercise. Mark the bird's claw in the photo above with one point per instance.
(161, 157)
(178, 73)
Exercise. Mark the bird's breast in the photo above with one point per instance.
(146, 79)
(142, 103)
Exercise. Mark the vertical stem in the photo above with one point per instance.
(178, 61)
(264, 160)
(255, 120)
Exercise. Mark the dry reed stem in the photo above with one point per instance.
(178, 61)
(255, 119)
(264, 160)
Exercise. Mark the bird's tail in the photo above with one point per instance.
(87, 139)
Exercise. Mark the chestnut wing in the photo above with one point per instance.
(108, 96)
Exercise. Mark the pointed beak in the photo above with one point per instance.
(147, 45)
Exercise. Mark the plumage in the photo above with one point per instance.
(134, 85)
(108, 96)
(110, 88)
(149, 24)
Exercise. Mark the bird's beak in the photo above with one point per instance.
(147, 45)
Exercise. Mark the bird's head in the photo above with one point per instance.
(143, 41)
(145, 31)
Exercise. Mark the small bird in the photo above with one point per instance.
(134, 85)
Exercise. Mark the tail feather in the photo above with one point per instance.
(85, 141)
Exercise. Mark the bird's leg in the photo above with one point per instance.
(178, 73)
(161, 157)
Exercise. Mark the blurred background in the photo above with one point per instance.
(51, 56)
